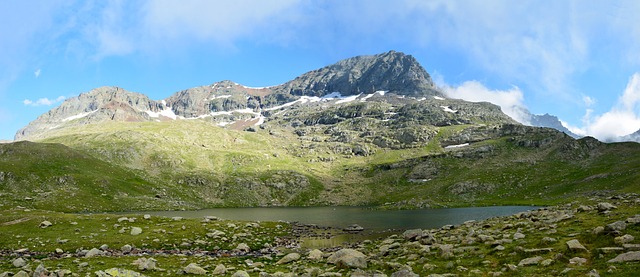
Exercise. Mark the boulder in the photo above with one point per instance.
(577, 260)
(41, 271)
(219, 270)
(354, 228)
(604, 206)
(315, 255)
(623, 239)
(45, 224)
(136, 231)
(240, 273)
(575, 246)
(193, 268)
(404, 273)
(243, 247)
(118, 272)
(349, 258)
(633, 256)
(530, 261)
(93, 252)
(291, 257)
(616, 226)
(145, 264)
(19, 262)
(413, 234)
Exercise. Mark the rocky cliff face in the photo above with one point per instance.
(393, 71)
(97, 105)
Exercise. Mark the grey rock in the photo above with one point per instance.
(530, 261)
(348, 258)
(354, 228)
(193, 268)
(93, 252)
(412, 235)
(626, 257)
(21, 273)
(611, 249)
(136, 231)
(604, 206)
(243, 247)
(291, 257)
(577, 260)
(315, 255)
(219, 270)
(118, 272)
(518, 235)
(146, 264)
(576, 246)
(593, 273)
(126, 249)
(19, 262)
(631, 247)
(45, 224)
(40, 271)
(404, 273)
(240, 273)
(616, 226)
(623, 239)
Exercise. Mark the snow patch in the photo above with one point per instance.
(438, 98)
(457, 146)
(332, 95)
(381, 92)
(166, 113)
(348, 99)
(80, 115)
(260, 121)
(448, 109)
(214, 97)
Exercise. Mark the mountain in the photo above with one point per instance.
(551, 121)
(370, 130)
(635, 136)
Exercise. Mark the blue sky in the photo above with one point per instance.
(579, 60)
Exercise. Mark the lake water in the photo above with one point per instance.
(368, 218)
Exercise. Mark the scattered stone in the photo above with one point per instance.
(598, 230)
(145, 264)
(616, 226)
(104, 247)
(546, 262)
(40, 271)
(219, 270)
(631, 247)
(499, 248)
(530, 261)
(45, 224)
(349, 258)
(291, 257)
(126, 249)
(412, 235)
(626, 257)
(315, 255)
(176, 218)
(604, 206)
(193, 268)
(577, 260)
(518, 236)
(576, 246)
(19, 262)
(241, 273)
(607, 250)
(538, 250)
(446, 251)
(146, 216)
(21, 273)
(136, 231)
(243, 247)
(634, 220)
(93, 252)
(59, 251)
(118, 272)
(583, 208)
(623, 239)
(404, 273)
(354, 228)
(122, 219)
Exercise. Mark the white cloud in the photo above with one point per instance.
(37, 73)
(620, 120)
(43, 101)
(510, 101)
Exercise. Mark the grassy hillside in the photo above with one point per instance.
(195, 164)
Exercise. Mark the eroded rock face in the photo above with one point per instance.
(392, 71)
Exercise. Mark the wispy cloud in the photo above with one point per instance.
(43, 101)
(622, 119)
(510, 101)
(37, 72)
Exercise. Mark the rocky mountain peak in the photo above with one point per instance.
(392, 71)
(100, 104)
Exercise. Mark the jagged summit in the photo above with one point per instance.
(392, 71)
(100, 104)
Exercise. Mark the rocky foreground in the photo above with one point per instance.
(591, 237)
